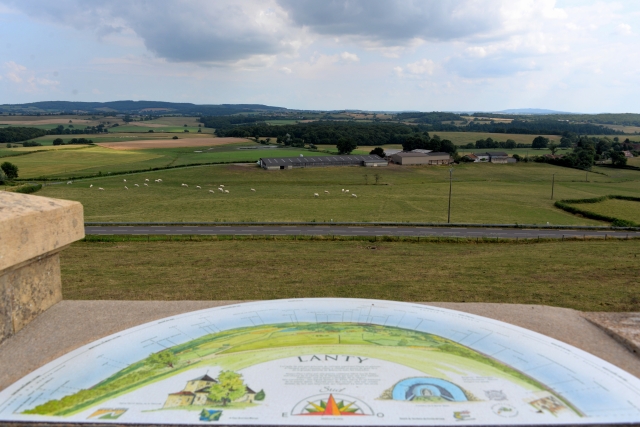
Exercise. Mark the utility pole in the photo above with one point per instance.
(450, 180)
(553, 182)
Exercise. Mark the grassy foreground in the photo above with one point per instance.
(589, 275)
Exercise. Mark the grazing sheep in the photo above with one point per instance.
(253, 189)
(184, 185)
(221, 190)
(146, 179)
(146, 185)
(343, 190)
(211, 191)
(126, 187)
(221, 185)
(91, 186)
(353, 195)
(346, 191)
(69, 182)
(326, 192)
(316, 195)
(124, 180)
(136, 185)
(226, 191)
(159, 180)
(100, 188)
(197, 186)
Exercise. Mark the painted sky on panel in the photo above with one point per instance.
(568, 55)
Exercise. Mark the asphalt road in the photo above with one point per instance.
(355, 231)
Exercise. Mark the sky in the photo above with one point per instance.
(391, 55)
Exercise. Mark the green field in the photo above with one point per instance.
(621, 209)
(482, 193)
(462, 138)
(591, 275)
(158, 129)
(90, 160)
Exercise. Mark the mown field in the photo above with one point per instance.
(482, 193)
(590, 276)
(91, 160)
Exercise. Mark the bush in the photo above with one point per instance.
(31, 144)
(28, 189)
(378, 151)
(10, 170)
(58, 141)
(150, 131)
(175, 137)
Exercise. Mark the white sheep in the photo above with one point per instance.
(124, 180)
(343, 190)
(159, 180)
(326, 192)
(346, 191)
(316, 195)
(100, 188)
(226, 191)
(91, 186)
(221, 185)
(211, 191)
(146, 185)
(221, 190)
(197, 186)
(146, 179)
(353, 195)
(126, 187)
(136, 185)
(69, 182)
(253, 189)
(184, 185)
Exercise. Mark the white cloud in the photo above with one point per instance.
(26, 80)
(624, 29)
(15, 71)
(424, 66)
(286, 70)
(349, 57)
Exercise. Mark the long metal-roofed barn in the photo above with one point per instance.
(321, 161)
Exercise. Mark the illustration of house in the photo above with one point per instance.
(196, 393)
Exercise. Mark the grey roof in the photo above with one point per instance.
(438, 153)
(277, 161)
(497, 153)
(410, 154)
(391, 151)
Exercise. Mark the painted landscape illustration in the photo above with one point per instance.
(233, 350)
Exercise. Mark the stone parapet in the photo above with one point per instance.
(33, 230)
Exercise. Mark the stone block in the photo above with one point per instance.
(32, 231)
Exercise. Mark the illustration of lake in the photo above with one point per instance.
(326, 361)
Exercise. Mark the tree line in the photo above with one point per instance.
(15, 134)
(326, 132)
(544, 127)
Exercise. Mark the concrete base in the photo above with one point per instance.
(27, 290)
(71, 324)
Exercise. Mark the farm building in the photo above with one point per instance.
(493, 157)
(412, 158)
(321, 161)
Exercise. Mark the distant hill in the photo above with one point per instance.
(135, 107)
(532, 111)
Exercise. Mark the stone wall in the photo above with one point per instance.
(33, 230)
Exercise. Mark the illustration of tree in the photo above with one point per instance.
(260, 395)
(162, 359)
(229, 388)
